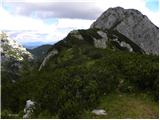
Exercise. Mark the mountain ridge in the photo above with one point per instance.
(138, 28)
(39, 52)
(89, 70)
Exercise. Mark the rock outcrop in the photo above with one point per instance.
(76, 34)
(11, 50)
(13, 55)
(101, 43)
(28, 110)
(116, 29)
(133, 25)
(50, 54)
(99, 112)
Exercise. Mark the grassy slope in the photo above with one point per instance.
(128, 105)
(74, 81)
(123, 105)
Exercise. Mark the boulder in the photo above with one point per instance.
(99, 112)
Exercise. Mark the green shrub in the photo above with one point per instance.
(73, 81)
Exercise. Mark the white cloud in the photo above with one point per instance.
(83, 9)
(34, 36)
(10, 22)
(33, 30)
(30, 29)
(74, 23)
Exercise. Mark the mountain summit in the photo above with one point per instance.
(94, 73)
(132, 24)
(116, 29)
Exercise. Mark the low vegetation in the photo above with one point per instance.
(126, 106)
(76, 80)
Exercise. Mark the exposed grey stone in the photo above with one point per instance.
(99, 112)
(12, 56)
(102, 34)
(28, 110)
(76, 34)
(132, 24)
(10, 49)
(101, 43)
(124, 44)
(50, 54)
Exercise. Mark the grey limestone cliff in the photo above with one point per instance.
(132, 24)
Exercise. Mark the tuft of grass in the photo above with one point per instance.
(123, 106)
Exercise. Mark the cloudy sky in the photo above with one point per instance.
(48, 21)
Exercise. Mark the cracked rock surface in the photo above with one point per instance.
(132, 24)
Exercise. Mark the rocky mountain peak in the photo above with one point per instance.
(132, 24)
(11, 50)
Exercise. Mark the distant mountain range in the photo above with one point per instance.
(40, 52)
(32, 45)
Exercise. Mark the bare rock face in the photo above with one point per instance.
(12, 57)
(133, 25)
(29, 108)
(76, 34)
(101, 43)
(11, 50)
(50, 54)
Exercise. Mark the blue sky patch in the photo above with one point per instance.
(153, 5)
(51, 21)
